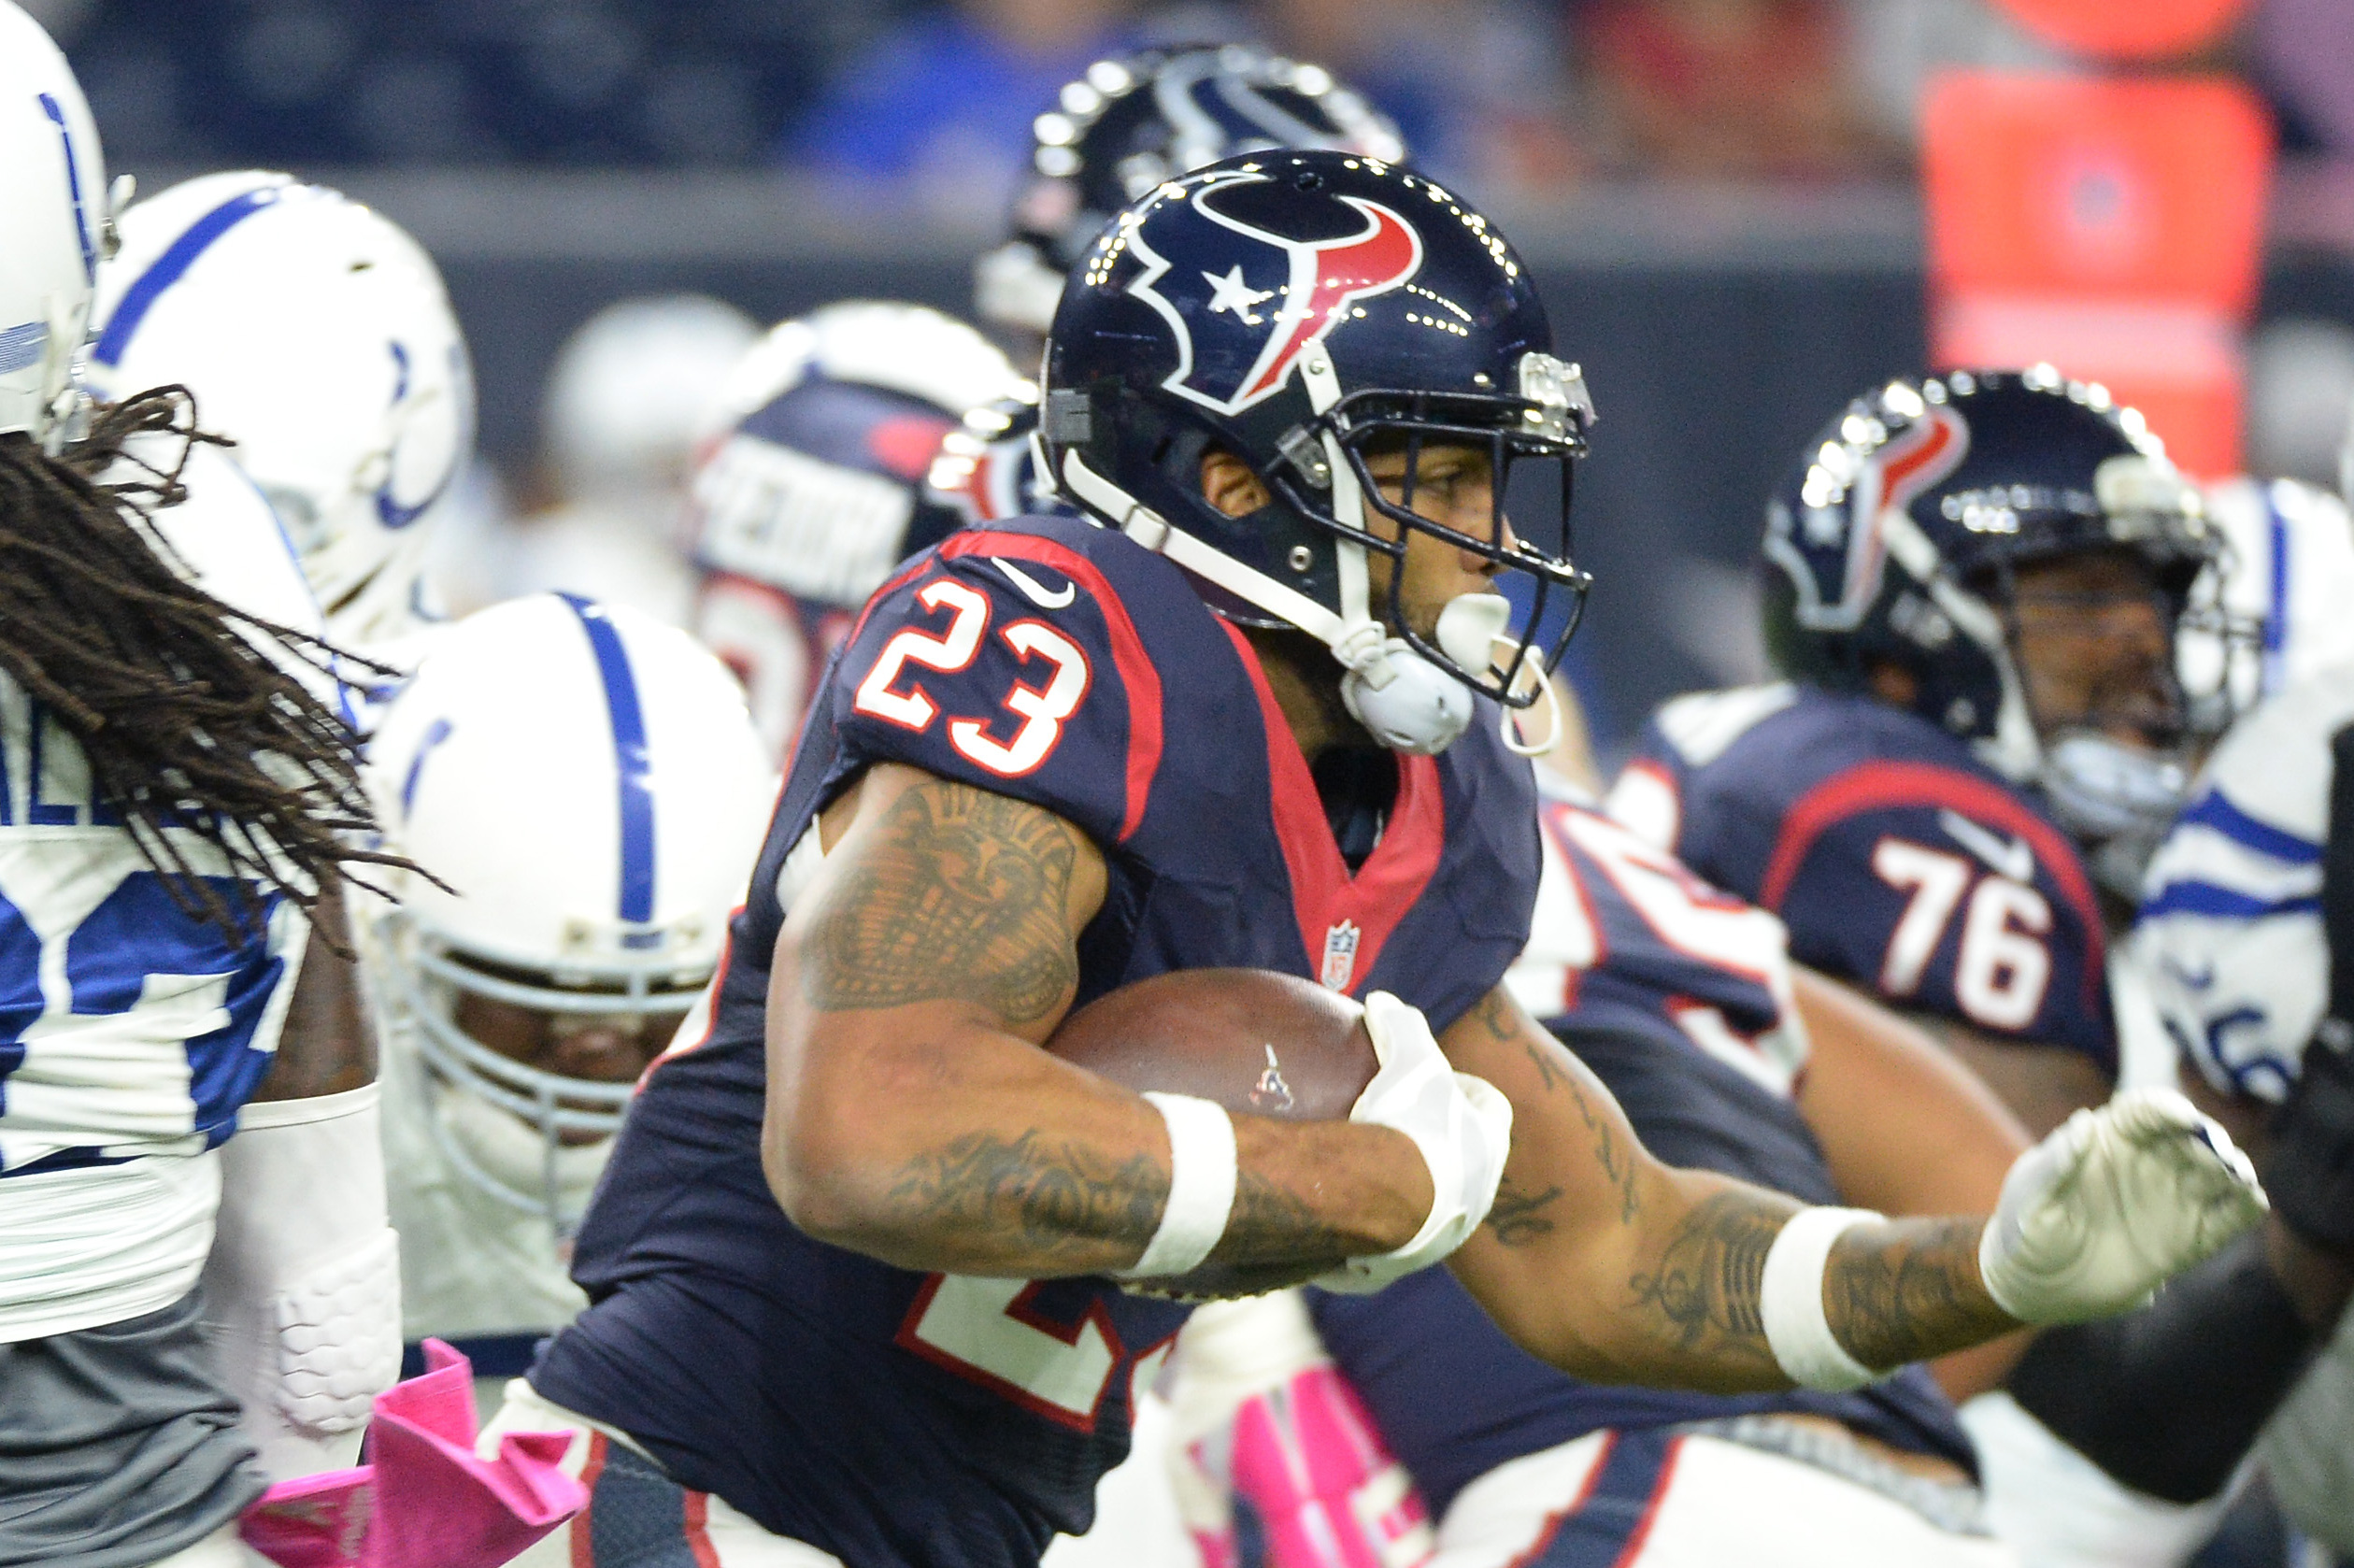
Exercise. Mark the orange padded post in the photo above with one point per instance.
(2113, 227)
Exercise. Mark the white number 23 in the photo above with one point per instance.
(888, 693)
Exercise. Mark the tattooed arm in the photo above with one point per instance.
(911, 1114)
(1906, 1129)
(1614, 1267)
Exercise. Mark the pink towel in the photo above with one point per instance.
(423, 1500)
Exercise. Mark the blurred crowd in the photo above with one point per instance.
(934, 97)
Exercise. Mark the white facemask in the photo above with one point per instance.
(516, 1155)
(2117, 798)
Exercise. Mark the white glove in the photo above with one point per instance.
(2113, 1203)
(1462, 1124)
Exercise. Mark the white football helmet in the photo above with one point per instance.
(587, 783)
(53, 190)
(631, 392)
(317, 334)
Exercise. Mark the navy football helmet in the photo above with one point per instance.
(1127, 124)
(1894, 539)
(1299, 310)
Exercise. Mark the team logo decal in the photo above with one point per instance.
(1340, 955)
(1271, 1093)
(1842, 543)
(1270, 296)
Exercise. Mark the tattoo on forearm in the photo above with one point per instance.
(1056, 1199)
(1893, 1292)
(1506, 1024)
(1066, 1203)
(1518, 1216)
(1497, 1016)
(1272, 1225)
(1908, 1291)
(962, 895)
(1617, 1162)
(1702, 1296)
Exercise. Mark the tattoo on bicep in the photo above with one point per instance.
(1704, 1295)
(1506, 1025)
(1518, 1215)
(960, 895)
(1908, 1290)
(1056, 1197)
(1617, 1162)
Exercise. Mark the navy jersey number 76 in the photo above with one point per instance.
(1897, 860)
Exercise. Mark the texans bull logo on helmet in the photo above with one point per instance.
(1271, 295)
(1833, 544)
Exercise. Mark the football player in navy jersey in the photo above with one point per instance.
(1975, 583)
(856, 1267)
(1725, 1056)
(1683, 1002)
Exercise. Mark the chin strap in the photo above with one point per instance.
(1151, 530)
(1406, 703)
(2014, 750)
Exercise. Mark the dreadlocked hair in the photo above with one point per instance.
(193, 732)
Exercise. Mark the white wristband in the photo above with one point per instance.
(1790, 1299)
(1201, 1187)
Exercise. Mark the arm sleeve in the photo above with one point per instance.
(303, 1288)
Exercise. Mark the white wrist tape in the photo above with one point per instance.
(1200, 1187)
(1791, 1301)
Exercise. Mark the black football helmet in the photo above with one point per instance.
(1298, 310)
(1127, 124)
(1894, 539)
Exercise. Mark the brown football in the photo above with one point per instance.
(1250, 1039)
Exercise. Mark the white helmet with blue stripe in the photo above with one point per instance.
(53, 191)
(587, 782)
(318, 335)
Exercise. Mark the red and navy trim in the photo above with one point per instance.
(1607, 1524)
(1882, 784)
(1323, 892)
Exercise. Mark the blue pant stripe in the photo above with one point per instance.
(1598, 1533)
(637, 1515)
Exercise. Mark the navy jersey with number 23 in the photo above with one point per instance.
(894, 1417)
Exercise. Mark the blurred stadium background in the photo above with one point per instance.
(1721, 196)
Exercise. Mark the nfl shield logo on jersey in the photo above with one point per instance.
(1340, 955)
(1271, 295)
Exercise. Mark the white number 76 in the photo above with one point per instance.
(2002, 968)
